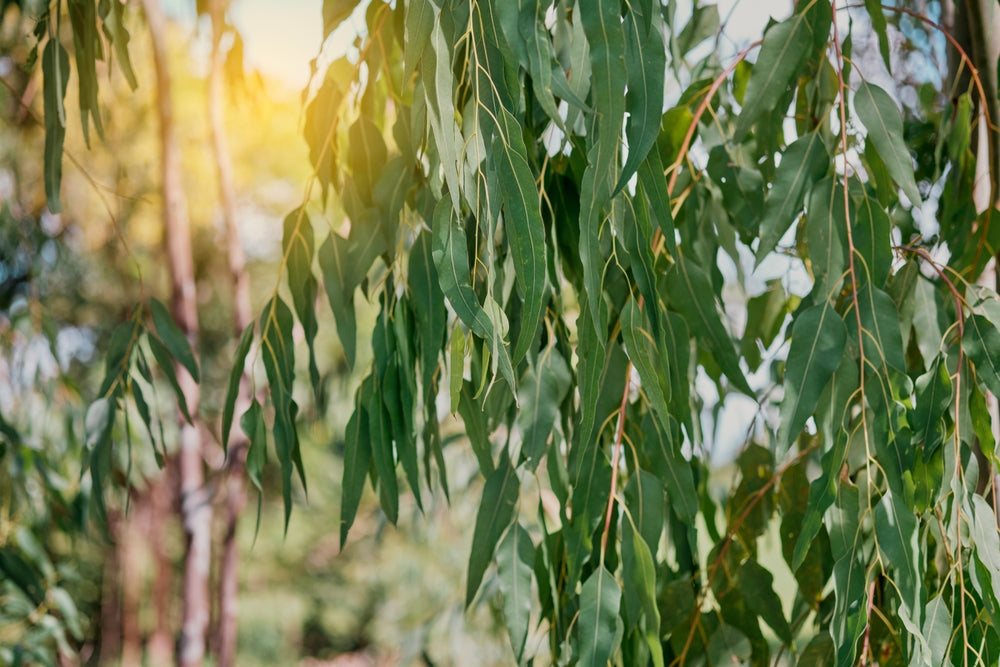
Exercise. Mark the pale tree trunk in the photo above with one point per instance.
(235, 484)
(196, 509)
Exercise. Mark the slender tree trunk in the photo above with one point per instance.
(160, 648)
(196, 509)
(235, 483)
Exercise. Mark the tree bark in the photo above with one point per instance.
(196, 508)
(235, 484)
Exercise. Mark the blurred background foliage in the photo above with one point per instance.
(66, 280)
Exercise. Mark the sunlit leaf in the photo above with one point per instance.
(55, 74)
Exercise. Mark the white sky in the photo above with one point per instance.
(281, 38)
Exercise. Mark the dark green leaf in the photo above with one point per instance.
(515, 569)
(826, 231)
(691, 293)
(55, 74)
(496, 512)
(785, 49)
(645, 66)
(802, 164)
(173, 338)
(818, 340)
(357, 461)
(648, 359)
(982, 343)
(166, 363)
(934, 393)
(297, 244)
(542, 391)
(451, 257)
(757, 586)
(640, 593)
(599, 631)
(872, 241)
(235, 377)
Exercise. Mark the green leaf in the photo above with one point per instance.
(344, 264)
(644, 500)
(647, 357)
(880, 116)
(542, 391)
(898, 542)
(640, 594)
(55, 75)
(662, 446)
(826, 232)
(335, 12)
(451, 257)
(785, 49)
(67, 610)
(173, 338)
(802, 164)
(515, 570)
(524, 230)
(113, 22)
(819, 652)
(934, 394)
(419, 23)
(883, 341)
(818, 340)
(982, 343)
(645, 67)
(88, 49)
(756, 584)
(166, 363)
(879, 29)
(297, 244)
(496, 512)
(599, 631)
(252, 423)
(429, 310)
(235, 377)
(850, 615)
(278, 352)
(872, 240)
(691, 293)
(357, 461)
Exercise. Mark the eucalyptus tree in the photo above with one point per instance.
(561, 212)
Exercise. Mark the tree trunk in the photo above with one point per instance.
(196, 509)
(235, 485)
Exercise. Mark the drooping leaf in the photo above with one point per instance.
(802, 164)
(645, 66)
(757, 586)
(113, 22)
(785, 49)
(496, 512)
(166, 363)
(600, 629)
(934, 394)
(542, 391)
(872, 241)
(640, 593)
(881, 117)
(523, 224)
(173, 338)
(826, 231)
(451, 257)
(297, 244)
(357, 461)
(645, 354)
(982, 343)
(235, 377)
(691, 293)
(515, 569)
(55, 74)
(896, 532)
(278, 353)
(818, 340)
